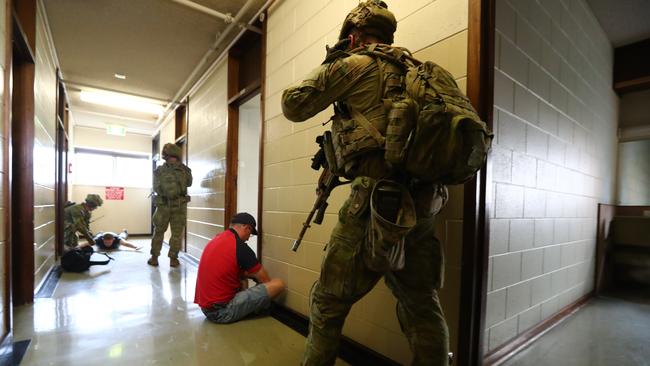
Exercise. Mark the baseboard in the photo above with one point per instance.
(524, 340)
(350, 351)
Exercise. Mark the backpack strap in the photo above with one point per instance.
(372, 130)
(102, 263)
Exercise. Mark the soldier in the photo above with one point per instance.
(360, 86)
(77, 219)
(170, 182)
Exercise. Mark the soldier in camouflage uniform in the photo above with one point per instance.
(356, 83)
(76, 218)
(170, 182)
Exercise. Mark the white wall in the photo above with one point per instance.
(553, 160)
(134, 212)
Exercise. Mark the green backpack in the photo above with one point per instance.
(434, 133)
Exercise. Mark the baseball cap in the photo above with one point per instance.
(246, 219)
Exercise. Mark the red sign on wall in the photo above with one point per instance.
(115, 193)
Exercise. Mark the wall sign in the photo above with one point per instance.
(114, 193)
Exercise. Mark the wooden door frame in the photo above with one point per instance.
(61, 164)
(477, 200)
(237, 95)
(6, 179)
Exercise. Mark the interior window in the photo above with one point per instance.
(107, 169)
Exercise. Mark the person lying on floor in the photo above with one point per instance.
(225, 261)
(110, 241)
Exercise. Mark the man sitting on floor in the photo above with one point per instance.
(225, 262)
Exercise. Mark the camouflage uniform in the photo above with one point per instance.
(76, 218)
(345, 278)
(170, 182)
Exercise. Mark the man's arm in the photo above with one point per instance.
(260, 276)
(323, 86)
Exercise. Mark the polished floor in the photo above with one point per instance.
(128, 313)
(606, 332)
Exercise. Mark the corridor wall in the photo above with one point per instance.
(297, 34)
(44, 149)
(207, 136)
(554, 160)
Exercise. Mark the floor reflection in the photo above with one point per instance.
(129, 313)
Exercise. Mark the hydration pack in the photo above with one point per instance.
(433, 133)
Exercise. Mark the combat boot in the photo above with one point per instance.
(173, 262)
(153, 261)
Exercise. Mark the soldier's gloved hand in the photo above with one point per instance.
(336, 51)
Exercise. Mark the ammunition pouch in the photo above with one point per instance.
(392, 216)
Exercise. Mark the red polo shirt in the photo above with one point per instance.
(224, 260)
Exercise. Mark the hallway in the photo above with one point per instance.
(128, 313)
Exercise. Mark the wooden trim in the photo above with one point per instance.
(6, 179)
(245, 94)
(260, 181)
(605, 215)
(480, 90)
(525, 339)
(23, 179)
(232, 144)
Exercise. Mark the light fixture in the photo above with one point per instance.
(122, 101)
(116, 130)
(120, 76)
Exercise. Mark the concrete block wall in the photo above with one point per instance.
(207, 137)
(44, 149)
(554, 160)
(297, 34)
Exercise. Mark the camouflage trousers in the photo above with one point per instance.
(345, 279)
(168, 215)
(70, 239)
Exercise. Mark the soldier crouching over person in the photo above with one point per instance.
(76, 219)
(225, 262)
(170, 183)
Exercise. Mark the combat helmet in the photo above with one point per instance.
(171, 150)
(372, 17)
(94, 200)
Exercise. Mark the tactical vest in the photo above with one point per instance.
(355, 133)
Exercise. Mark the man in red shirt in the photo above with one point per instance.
(225, 262)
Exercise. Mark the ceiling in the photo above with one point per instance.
(624, 22)
(156, 44)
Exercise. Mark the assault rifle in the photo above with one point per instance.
(326, 183)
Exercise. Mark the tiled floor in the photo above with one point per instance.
(607, 331)
(128, 313)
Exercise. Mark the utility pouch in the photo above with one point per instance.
(392, 216)
(401, 122)
(330, 155)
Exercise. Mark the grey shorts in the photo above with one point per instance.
(252, 300)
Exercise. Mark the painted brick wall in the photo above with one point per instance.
(44, 150)
(553, 160)
(297, 34)
(207, 131)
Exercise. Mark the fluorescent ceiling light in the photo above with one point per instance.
(120, 76)
(122, 101)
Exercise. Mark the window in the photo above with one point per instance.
(101, 168)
